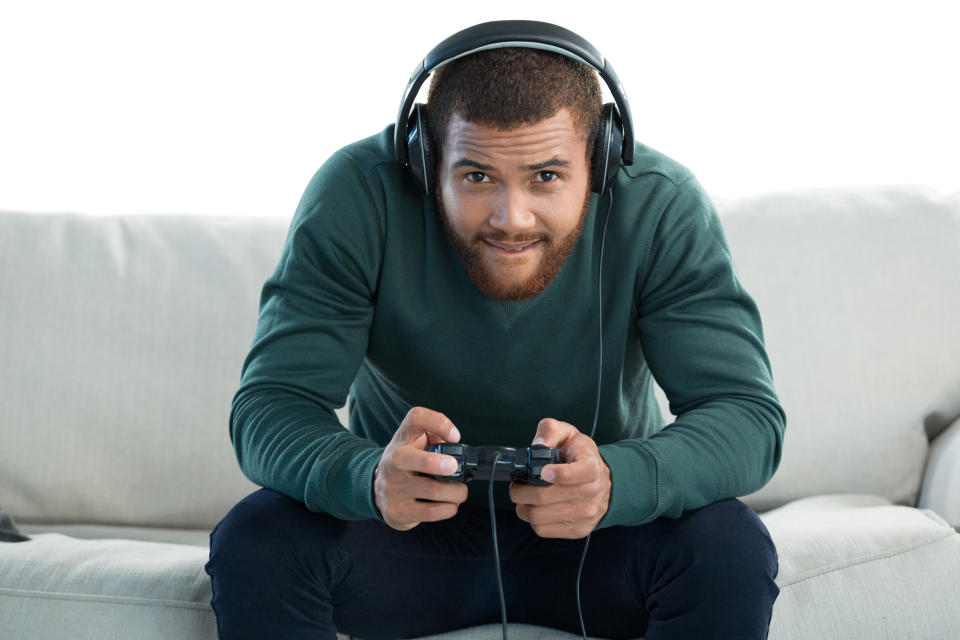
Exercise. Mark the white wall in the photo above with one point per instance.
(229, 107)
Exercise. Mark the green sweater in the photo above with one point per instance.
(369, 299)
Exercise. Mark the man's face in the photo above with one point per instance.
(514, 201)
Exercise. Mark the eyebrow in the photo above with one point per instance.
(552, 162)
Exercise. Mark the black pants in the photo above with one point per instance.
(279, 570)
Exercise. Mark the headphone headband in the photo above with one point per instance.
(512, 33)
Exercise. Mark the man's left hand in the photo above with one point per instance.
(579, 494)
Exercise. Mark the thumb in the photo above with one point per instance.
(551, 432)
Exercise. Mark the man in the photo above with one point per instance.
(469, 315)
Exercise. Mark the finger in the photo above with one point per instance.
(420, 420)
(554, 433)
(579, 447)
(433, 439)
(536, 495)
(568, 513)
(424, 488)
(564, 530)
(571, 473)
(432, 511)
(414, 460)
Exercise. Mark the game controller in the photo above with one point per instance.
(517, 465)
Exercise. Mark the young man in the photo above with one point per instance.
(469, 315)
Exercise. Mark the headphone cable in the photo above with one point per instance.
(593, 430)
(596, 409)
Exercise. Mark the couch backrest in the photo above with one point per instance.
(859, 291)
(121, 347)
(123, 338)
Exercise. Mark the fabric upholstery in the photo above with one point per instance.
(859, 295)
(941, 483)
(893, 565)
(103, 589)
(856, 567)
(129, 336)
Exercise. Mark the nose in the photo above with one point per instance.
(511, 211)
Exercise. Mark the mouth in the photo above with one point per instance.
(512, 248)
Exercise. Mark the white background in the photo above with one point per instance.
(229, 107)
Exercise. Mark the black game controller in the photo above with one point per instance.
(476, 463)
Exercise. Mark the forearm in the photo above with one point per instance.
(724, 448)
(292, 445)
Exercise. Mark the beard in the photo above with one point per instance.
(474, 257)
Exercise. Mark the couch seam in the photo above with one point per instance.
(53, 595)
(863, 560)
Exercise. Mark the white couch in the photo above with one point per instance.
(122, 338)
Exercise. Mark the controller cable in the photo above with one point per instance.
(596, 413)
(496, 551)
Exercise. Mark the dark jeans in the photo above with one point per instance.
(279, 570)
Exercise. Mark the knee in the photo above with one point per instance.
(729, 542)
(255, 527)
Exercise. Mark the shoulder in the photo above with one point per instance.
(654, 188)
(371, 154)
(650, 165)
(662, 212)
(361, 179)
(661, 188)
(341, 216)
(358, 166)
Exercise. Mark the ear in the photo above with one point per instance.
(420, 151)
(607, 149)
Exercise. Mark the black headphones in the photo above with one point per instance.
(614, 141)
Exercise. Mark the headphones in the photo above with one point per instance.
(614, 141)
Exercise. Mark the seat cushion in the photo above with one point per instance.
(851, 566)
(856, 566)
(55, 586)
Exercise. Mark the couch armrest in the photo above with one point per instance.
(941, 482)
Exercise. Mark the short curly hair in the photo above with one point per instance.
(510, 87)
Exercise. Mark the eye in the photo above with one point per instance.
(547, 176)
(477, 176)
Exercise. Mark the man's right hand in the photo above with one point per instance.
(404, 498)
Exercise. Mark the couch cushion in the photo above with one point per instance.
(123, 338)
(55, 586)
(851, 566)
(860, 299)
(855, 566)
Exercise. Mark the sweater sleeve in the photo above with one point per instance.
(312, 331)
(701, 335)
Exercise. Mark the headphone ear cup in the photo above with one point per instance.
(607, 150)
(420, 149)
